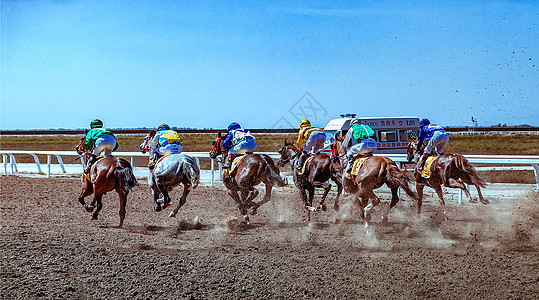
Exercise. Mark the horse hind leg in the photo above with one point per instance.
(368, 207)
(327, 187)
(97, 197)
(267, 198)
(440, 193)
(123, 202)
(394, 201)
(183, 199)
(452, 183)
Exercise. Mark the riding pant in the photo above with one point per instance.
(246, 144)
(438, 141)
(315, 142)
(364, 147)
(169, 149)
(104, 143)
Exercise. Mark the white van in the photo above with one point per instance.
(391, 132)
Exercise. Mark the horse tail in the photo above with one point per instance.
(396, 177)
(125, 178)
(273, 172)
(192, 173)
(462, 165)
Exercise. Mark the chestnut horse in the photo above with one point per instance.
(253, 170)
(450, 170)
(374, 172)
(106, 174)
(171, 171)
(317, 172)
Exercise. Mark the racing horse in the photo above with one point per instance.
(450, 170)
(106, 174)
(171, 171)
(317, 172)
(251, 171)
(373, 173)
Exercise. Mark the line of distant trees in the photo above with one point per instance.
(496, 128)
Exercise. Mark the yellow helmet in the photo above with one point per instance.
(305, 123)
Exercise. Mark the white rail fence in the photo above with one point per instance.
(498, 162)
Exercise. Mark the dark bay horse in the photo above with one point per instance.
(106, 174)
(450, 170)
(317, 172)
(171, 171)
(251, 171)
(374, 172)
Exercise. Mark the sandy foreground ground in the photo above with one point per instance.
(50, 248)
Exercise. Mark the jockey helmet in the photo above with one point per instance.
(305, 123)
(424, 122)
(233, 125)
(163, 126)
(354, 122)
(96, 124)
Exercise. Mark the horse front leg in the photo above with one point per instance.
(166, 197)
(156, 194)
(183, 199)
(359, 200)
(87, 190)
(419, 188)
(234, 194)
(339, 191)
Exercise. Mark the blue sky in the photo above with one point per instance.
(266, 63)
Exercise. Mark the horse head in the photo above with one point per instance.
(144, 147)
(287, 152)
(80, 146)
(217, 146)
(412, 155)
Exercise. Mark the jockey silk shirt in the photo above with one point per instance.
(94, 134)
(304, 134)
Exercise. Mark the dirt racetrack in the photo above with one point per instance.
(51, 249)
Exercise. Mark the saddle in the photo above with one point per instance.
(93, 164)
(237, 160)
(358, 162)
(425, 173)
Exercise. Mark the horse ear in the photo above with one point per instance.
(219, 134)
(285, 142)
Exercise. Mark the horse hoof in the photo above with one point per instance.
(172, 215)
(336, 207)
(324, 208)
(94, 218)
(166, 204)
(485, 201)
(157, 208)
(254, 211)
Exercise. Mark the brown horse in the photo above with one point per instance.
(374, 172)
(106, 174)
(317, 172)
(450, 170)
(251, 171)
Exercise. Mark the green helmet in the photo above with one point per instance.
(96, 124)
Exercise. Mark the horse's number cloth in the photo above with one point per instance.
(235, 163)
(425, 173)
(357, 165)
(304, 164)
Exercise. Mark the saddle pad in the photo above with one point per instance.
(237, 160)
(303, 167)
(425, 173)
(357, 165)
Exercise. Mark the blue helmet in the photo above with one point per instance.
(163, 126)
(424, 122)
(233, 125)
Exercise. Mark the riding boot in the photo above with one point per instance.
(423, 161)
(91, 161)
(302, 159)
(351, 159)
(228, 161)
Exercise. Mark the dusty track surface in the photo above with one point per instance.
(51, 249)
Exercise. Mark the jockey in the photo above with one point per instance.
(166, 141)
(99, 139)
(310, 138)
(435, 137)
(237, 140)
(360, 140)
